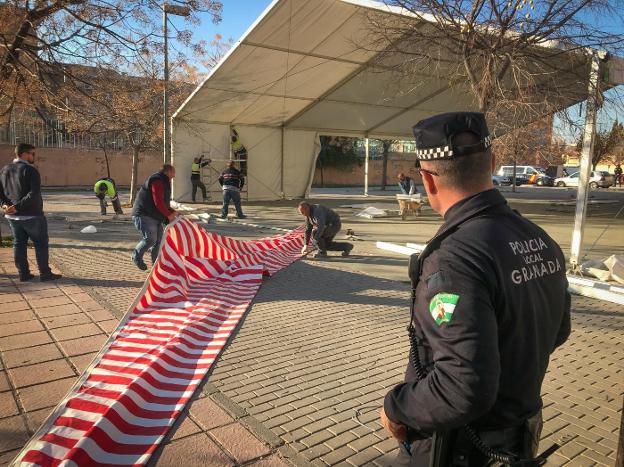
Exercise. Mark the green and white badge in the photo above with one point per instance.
(442, 307)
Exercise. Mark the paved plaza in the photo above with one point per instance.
(303, 379)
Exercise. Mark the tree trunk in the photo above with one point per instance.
(384, 167)
(135, 167)
(106, 159)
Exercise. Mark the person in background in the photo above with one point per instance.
(232, 182)
(198, 163)
(106, 186)
(151, 210)
(406, 184)
(239, 151)
(22, 204)
(618, 174)
(322, 225)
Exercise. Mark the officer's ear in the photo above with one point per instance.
(429, 181)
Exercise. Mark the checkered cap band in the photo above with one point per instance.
(443, 152)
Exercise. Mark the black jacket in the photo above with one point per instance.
(20, 185)
(144, 203)
(488, 355)
(232, 178)
(321, 218)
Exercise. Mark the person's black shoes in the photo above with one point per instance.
(139, 262)
(348, 251)
(242, 217)
(26, 277)
(320, 255)
(49, 277)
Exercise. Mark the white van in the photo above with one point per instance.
(524, 173)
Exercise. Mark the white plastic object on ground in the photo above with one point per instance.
(89, 229)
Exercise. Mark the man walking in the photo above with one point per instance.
(232, 182)
(322, 225)
(105, 186)
(618, 174)
(198, 164)
(489, 305)
(151, 210)
(20, 197)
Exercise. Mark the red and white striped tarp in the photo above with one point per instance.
(125, 402)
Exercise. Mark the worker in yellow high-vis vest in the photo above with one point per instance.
(198, 163)
(239, 151)
(105, 186)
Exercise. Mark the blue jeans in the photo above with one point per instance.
(152, 230)
(35, 229)
(231, 195)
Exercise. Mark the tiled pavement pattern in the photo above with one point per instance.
(321, 343)
(49, 333)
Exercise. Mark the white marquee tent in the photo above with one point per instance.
(298, 73)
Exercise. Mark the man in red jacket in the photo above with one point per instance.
(151, 209)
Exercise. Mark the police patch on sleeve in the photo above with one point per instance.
(442, 307)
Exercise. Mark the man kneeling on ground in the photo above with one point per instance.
(322, 224)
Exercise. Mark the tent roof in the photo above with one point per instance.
(300, 66)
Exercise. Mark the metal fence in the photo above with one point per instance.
(52, 134)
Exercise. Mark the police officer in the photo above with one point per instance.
(196, 182)
(105, 186)
(489, 306)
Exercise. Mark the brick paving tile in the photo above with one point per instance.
(81, 362)
(83, 345)
(239, 442)
(7, 457)
(100, 315)
(272, 461)
(194, 451)
(91, 305)
(338, 455)
(23, 327)
(58, 310)
(66, 320)
(108, 326)
(44, 395)
(44, 293)
(14, 306)
(11, 297)
(37, 354)
(16, 317)
(14, 433)
(364, 457)
(208, 414)
(4, 382)
(23, 341)
(40, 373)
(37, 303)
(75, 332)
(81, 297)
(186, 428)
(8, 407)
(35, 419)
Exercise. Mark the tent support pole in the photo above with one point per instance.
(282, 167)
(586, 165)
(366, 167)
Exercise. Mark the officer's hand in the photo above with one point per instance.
(304, 250)
(396, 430)
(9, 209)
(172, 215)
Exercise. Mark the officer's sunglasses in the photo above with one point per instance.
(430, 172)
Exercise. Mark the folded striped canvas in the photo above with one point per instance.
(121, 408)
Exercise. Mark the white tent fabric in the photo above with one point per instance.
(297, 73)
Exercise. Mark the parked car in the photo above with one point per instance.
(525, 174)
(499, 180)
(544, 180)
(597, 179)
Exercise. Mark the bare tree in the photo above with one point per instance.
(608, 146)
(510, 52)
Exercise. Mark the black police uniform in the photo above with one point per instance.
(490, 304)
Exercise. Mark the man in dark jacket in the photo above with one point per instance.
(232, 182)
(20, 197)
(489, 306)
(151, 210)
(322, 225)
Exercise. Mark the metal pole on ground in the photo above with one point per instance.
(589, 137)
(366, 167)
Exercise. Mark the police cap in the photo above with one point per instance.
(434, 135)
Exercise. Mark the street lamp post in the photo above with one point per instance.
(178, 11)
